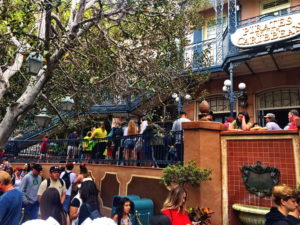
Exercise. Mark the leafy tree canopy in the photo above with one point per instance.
(94, 51)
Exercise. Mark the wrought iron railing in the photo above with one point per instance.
(156, 150)
(201, 54)
(33, 130)
(268, 16)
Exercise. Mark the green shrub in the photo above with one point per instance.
(185, 174)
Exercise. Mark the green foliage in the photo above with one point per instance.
(135, 52)
(185, 174)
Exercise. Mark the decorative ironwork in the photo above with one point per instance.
(232, 25)
(259, 179)
(263, 17)
(218, 7)
(208, 58)
(232, 16)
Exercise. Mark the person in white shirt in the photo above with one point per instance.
(68, 174)
(177, 127)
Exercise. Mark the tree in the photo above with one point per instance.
(93, 50)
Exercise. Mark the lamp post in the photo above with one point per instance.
(67, 104)
(178, 101)
(35, 63)
(231, 95)
(43, 119)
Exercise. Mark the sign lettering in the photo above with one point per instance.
(267, 32)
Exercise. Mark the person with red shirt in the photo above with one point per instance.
(44, 147)
(174, 207)
(293, 115)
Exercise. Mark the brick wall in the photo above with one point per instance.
(271, 152)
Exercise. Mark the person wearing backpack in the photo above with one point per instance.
(90, 208)
(55, 182)
(70, 179)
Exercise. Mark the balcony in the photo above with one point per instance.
(202, 55)
(269, 16)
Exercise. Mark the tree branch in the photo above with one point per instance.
(54, 108)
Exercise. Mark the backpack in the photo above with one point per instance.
(118, 132)
(60, 180)
(66, 178)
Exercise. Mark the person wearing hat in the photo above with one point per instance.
(10, 201)
(271, 122)
(55, 182)
(29, 187)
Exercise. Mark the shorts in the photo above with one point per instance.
(72, 150)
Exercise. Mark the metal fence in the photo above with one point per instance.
(156, 150)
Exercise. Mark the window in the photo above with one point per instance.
(220, 107)
(278, 98)
(277, 101)
(268, 6)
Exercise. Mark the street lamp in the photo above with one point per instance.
(231, 95)
(178, 100)
(42, 119)
(67, 104)
(35, 63)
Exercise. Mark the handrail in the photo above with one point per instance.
(94, 109)
(159, 148)
(281, 12)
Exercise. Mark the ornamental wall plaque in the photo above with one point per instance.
(259, 179)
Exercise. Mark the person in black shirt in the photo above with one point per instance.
(90, 207)
(294, 217)
(285, 199)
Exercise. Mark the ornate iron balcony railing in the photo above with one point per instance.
(269, 16)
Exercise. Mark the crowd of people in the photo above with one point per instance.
(66, 198)
(124, 143)
(242, 122)
(62, 198)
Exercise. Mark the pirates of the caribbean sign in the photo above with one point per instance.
(267, 32)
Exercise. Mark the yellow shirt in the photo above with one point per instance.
(99, 133)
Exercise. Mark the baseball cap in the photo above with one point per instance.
(54, 169)
(19, 168)
(37, 167)
(270, 115)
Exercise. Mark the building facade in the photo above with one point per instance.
(260, 41)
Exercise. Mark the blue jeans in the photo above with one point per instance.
(31, 211)
(67, 203)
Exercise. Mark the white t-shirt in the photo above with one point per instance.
(177, 125)
(72, 180)
(49, 221)
(144, 124)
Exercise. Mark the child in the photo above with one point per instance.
(122, 216)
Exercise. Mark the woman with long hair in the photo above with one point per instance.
(242, 122)
(129, 142)
(83, 173)
(90, 207)
(50, 206)
(174, 207)
(122, 216)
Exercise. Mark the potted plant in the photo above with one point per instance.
(178, 174)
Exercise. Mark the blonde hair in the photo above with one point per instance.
(174, 199)
(282, 192)
(5, 178)
(132, 128)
